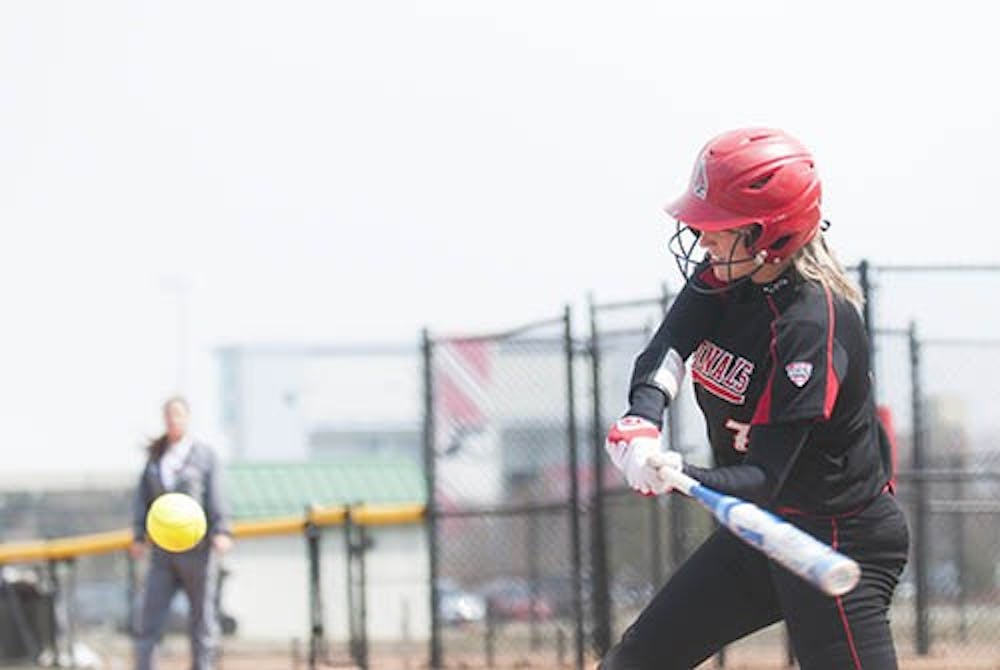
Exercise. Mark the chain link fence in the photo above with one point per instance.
(934, 358)
(635, 541)
(501, 454)
(643, 540)
(936, 355)
(537, 553)
(48, 609)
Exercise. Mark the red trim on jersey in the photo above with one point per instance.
(715, 389)
(832, 383)
(708, 277)
(762, 413)
(854, 511)
(835, 542)
(885, 416)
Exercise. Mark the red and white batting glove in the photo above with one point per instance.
(634, 445)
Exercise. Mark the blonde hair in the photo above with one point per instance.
(816, 262)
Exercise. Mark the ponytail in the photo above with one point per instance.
(816, 262)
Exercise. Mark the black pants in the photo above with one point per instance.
(727, 590)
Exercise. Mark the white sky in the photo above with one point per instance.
(331, 171)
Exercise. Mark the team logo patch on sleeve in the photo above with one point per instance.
(799, 372)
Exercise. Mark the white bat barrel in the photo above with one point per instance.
(817, 563)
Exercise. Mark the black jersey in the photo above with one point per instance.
(781, 373)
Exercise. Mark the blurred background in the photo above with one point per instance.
(262, 206)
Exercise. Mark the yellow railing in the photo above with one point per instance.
(118, 540)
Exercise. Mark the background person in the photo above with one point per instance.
(177, 462)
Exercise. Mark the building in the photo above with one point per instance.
(296, 403)
(267, 589)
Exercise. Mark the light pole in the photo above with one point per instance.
(180, 288)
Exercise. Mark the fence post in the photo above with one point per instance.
(315, 595)
(959, 541)
(62, 605)
(131, 593)
(920, 547)
(490, 636)
(352, 645)
(864, 281)
(532, 555)
(574, 485)
(600, 599)
(677, 507)
(430, 479)
(364, 542)
(357, 603)
(69, 603)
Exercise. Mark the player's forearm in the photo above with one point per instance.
(649, 403)
(749, 482)
(772, 453)
(658, 370)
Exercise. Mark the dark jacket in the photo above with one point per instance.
(199, 477)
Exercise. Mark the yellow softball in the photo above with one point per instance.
(176, 522)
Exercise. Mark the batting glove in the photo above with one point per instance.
(663, 462)
(633, 443)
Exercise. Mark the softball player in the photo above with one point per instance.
(769, 324)
(178, 463)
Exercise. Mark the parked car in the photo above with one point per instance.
(557, 591)
(457, 606)
(512, 599)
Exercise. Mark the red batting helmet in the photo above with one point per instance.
(753, 176)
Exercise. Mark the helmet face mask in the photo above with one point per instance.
(702, 273)
(758, 180)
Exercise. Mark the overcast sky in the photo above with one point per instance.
(353, 171)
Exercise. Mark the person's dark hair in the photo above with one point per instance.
(158, 445)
